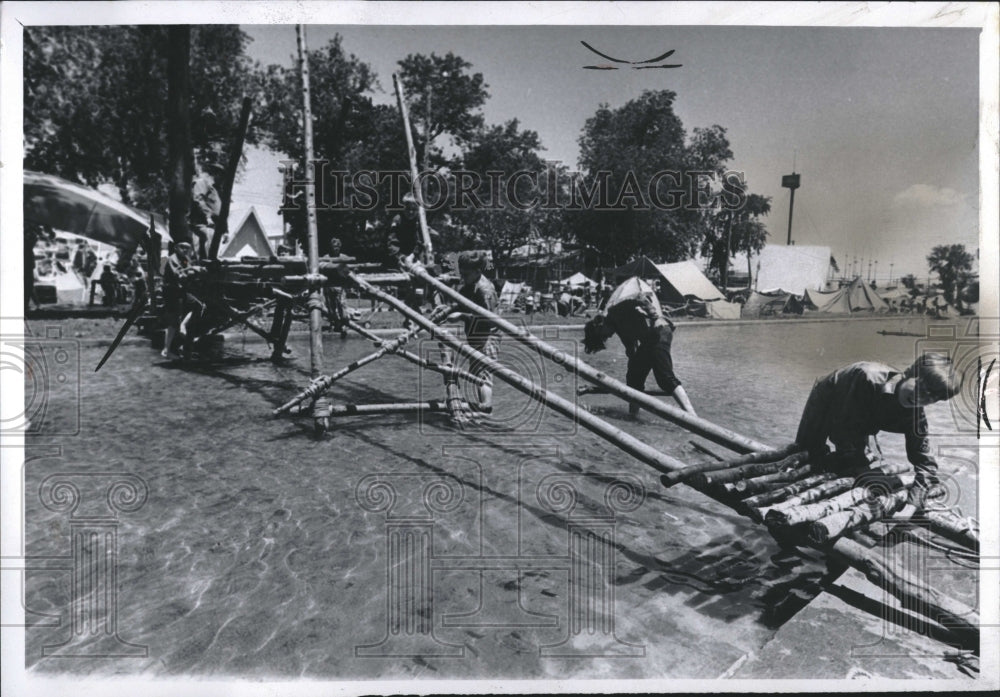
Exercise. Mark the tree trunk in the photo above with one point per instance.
(180, 160)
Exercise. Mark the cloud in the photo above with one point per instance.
(927, 196)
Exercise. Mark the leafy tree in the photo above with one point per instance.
(455, 96)
(909, 282)
(95, 103)
(497, 220)
(628, 147)
(953, 266)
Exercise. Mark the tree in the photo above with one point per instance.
(95, 103)
(628, 148)
(455, 97)
(499, 222)
(909, 282)
(953, 266)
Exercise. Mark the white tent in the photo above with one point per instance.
(792, 269)
(577, 280)
(684, 279)
(509, 293)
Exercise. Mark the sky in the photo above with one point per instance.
(881, 123)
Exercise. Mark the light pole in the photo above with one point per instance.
(791, 182)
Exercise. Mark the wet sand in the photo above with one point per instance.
(263, 552)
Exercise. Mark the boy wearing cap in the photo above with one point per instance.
(481, 334)
(859, 400)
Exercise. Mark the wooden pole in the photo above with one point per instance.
(631, 445)
(749, 471)
(316, 294)
(697, 425)
(669, 480)
(222, 224)
(916, 596)
(414, 173)
(419, 360)
(391, 408)
(321, 384)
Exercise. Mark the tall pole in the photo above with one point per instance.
(875, 272)
(316, 293)
(414, 178)
(891, 264)
(791, 182)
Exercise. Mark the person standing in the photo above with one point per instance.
(481, 334)
(635, 315)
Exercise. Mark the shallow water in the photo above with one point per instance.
(261, 551)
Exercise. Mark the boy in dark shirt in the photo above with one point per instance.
(634, 314)
(857, 401)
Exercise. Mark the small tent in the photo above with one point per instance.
(577, 280)
(509, 293)
(764, 304)
(249, 239)
(685, 280)
(720, 309)
(857, 297)
(643, 267)
(63, 287)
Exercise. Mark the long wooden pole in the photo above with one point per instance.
(695, 424)
(414, 173)
(631, 445)
(316, 294)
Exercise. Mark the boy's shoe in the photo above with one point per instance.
(169, 355)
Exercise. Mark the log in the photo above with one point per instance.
(376, 409)
(962, 530)
(767, 482)
(769, 455)
(775, 495)
(414, 176)
(695, 424)
(629, 444)
(757, 469)
(830, 486)
(914, 596)
(595, 389)
(836, 524)
(814, 511)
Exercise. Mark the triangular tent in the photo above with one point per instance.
(685, 280)
(509, 293)
(643, 267)
(249, 240)
(834, 301)
(577, 280)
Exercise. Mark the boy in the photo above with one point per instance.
(861, 399)
(634, 314)
(481, 334)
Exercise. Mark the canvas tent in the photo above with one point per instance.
(764, 304)
(792, 269)
(509, 293)
(857, 297)
(685, 280)
(64, 287)
(720, 309)
(577, 280)
(643, 267)
(249, 240)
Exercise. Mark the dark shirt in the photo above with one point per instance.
(635, 320)
(482, 292)
(858, 401)
(404, 236)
